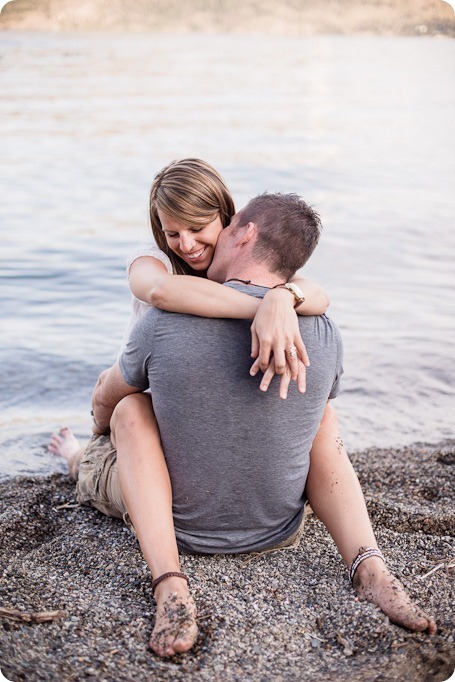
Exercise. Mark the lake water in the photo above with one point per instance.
(362, 127)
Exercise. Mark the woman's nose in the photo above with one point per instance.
(186, 242)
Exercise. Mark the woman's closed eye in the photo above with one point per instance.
(194, 230)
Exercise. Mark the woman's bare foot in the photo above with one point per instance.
(65, 444)
(175, 629)
(374, 583)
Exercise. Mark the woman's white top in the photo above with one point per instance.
(149, 248)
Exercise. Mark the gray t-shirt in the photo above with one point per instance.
(238, 458)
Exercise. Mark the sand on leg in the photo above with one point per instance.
(147, 496)
(335, 495)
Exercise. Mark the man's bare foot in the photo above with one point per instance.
(175, 629)
(374, 583)
(65, 444)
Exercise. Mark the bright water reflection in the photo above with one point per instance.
(362, 127)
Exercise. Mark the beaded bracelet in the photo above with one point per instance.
(364, 553)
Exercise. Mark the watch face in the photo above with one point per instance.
(295, 290)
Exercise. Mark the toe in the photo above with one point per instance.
(160, 650)
(419, 625)
(425, 622)
(169, 651)
(186, 638)
(419, 622)
(155, 647)
(181, 645)
(432, 627)
(54, 443)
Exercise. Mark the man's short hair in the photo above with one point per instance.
(288, 231)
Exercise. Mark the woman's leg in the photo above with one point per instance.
(335, 495)
(147, 496)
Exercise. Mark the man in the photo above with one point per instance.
(236, 459)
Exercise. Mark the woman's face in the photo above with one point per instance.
(195, 245)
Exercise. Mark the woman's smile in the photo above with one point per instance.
(195, 244)
(196, 255)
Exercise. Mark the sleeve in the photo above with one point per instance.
(339, 367)
(149, 248)
(134, 361)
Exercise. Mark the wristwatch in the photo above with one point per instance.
(295, 291)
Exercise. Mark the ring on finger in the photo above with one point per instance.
(292, 351)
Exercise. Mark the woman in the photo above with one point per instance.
(189, 206)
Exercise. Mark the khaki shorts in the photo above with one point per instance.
(98, 486)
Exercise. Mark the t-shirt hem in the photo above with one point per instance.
(191, 546)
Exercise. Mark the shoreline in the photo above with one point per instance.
(276, 616)
(342, 17)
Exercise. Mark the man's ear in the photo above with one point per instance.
(246, 233)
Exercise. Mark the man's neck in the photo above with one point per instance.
(254, 277)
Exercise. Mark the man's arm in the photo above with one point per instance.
(108, 392)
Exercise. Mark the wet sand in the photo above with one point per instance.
(287, 615)
(383, 17)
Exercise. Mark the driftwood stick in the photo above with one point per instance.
(68, 505)
(445, 563)
(347, 645)
(28, 617)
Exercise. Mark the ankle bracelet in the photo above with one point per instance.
(171, 574)
(364, 553)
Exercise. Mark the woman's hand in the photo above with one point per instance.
(285, 378)
(275, 332)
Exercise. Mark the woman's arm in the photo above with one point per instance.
(316, 300)
(152, 283)
(274, 330)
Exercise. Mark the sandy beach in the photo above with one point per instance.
(280, 616)
(345, 17)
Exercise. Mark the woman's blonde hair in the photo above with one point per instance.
(190, 191)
